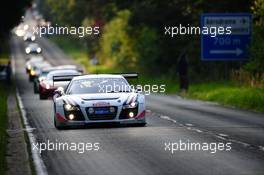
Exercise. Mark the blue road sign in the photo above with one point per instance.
(226, 47)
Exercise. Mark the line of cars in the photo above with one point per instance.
(86, 99)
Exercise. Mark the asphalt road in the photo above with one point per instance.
(141, 150)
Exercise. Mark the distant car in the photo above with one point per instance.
(36, 69)
(33, 48)
(84, 101)
(44, 72)
(29, 37)
(3, 72)
(31, 61)
(47, 86)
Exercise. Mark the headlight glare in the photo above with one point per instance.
(69, 107)
(28, 50)
(39, 50)
(131, 105)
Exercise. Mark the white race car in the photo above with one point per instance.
(104, 98)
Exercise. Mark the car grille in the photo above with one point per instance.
(101, 116)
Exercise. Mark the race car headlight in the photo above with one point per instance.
(71, 116)
(39, 50)
(69, 107)
(33, 38)
(131, 105)
(28, 50)
(32, 73)
(29, 67)
(131, 114)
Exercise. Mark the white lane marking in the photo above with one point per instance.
(168, 118)
(189, 124)
(261, 148)
(198, 130)
(223, 135)
(239, 142)
(37, 160)
(148, 111)
(164, 117)
(220, 137)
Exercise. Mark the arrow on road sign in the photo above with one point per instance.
(237, 51)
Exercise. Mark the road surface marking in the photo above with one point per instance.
(189, 124)
(168, 118)
(261, 148)
(38, 162)
(223, 135)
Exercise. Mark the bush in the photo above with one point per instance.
(146, 45)
(116, 44)
(256, 63)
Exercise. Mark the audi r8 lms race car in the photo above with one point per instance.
(44, 72)
(29, 37)
(47, 86)
(31, 61)
(36, 69)
(104, 98)
(33, 48)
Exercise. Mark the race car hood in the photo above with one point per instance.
(80, 99)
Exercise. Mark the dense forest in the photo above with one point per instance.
(132, 33)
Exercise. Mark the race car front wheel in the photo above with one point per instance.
(57, 126)
(42, 97)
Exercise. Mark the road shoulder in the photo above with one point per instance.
(18, 160)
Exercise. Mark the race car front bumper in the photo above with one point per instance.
(82, 120)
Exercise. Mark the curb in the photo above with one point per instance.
(37, 160)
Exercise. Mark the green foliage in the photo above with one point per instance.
(64, 12)
(116, 46)
(3, 125)
(258, 11)
(256, 64)
(146, 45)
(229, 94)
(73, 47)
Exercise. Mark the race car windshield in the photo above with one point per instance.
(98, 85)
(44, 74)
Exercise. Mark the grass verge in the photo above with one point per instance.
(230, 94)
(3, 126)
(4, 91)
(226, 93)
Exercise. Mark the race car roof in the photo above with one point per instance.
(97, 76)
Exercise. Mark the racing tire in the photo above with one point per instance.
(57, 126)
(42, 97)
(35, 88)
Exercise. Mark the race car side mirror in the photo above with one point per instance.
(59, 91)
